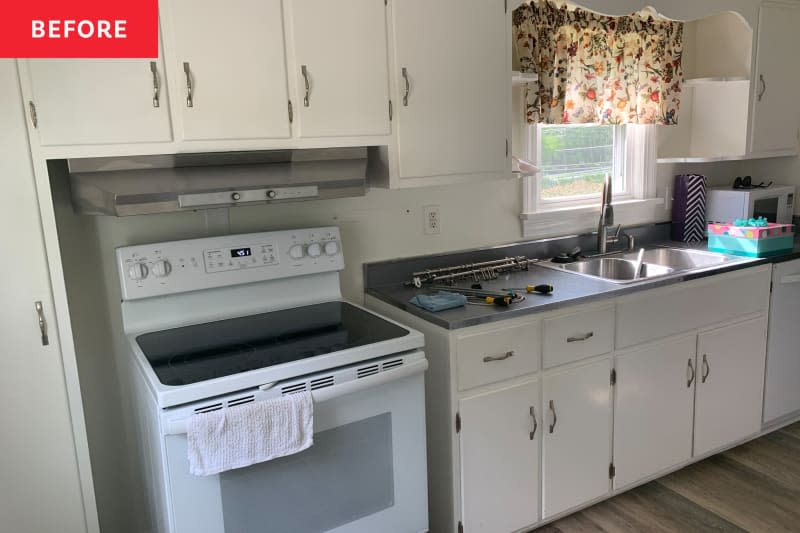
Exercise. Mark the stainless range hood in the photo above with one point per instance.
(138, 185)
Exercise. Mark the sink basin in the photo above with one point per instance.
(616, 269)
(682, 259)
(655, 262)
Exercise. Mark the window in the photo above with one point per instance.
(574, 159)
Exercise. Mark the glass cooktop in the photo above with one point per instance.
(199, 352)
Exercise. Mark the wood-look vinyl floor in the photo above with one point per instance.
(754, 487)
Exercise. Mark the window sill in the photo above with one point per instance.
(570, 220)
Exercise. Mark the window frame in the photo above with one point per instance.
(635, 158)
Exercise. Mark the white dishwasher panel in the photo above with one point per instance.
(782, 388)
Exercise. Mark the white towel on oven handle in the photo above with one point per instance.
(252, 433)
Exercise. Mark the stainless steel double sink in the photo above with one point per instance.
(656, 262)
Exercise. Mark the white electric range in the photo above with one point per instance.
(218, 322)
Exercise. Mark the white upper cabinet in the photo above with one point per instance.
(500, 459)
(451, 95)
(98, 101)
(730, 384)
(339, 52)
(776, 116)
(227, 68)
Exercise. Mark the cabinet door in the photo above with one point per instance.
(233, 57)
(452, 87)
(730, 383)
(39, 479)
(577, 436)
(776, 117)
(781, 389)
(500, 459)
(99, 101)
(341, 67)
(653, 404)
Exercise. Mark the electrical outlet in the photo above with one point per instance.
(433, 220)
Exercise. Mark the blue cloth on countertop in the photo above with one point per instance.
(440, 301)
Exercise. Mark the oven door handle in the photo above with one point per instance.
(178, 427)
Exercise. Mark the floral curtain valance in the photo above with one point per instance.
(598, 69)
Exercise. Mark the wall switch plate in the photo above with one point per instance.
(433, 220)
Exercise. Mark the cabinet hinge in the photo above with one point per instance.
(612, 471)
(505, 6)
(390, 110)
(506, 147)
(613, 376)
(460, 527)
(458, 422)
(770, 287)
(291, 112)
(34, 118)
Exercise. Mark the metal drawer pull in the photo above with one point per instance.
(408, 87)
(555, 418)
(42, 323)
(581, 338)
(786, 280)
(490, 358)
(763, 87)
(156, 87)
(535, 423)
(189, 87)
(706, 369)
(690, 372)
(304, 71)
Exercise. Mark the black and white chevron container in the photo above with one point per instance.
(689, 208)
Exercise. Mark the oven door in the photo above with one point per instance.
(366, 471)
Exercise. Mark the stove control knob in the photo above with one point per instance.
(296, 252)
(137, 271)
(314, 249)
(331, 248)
(271, 194)
(162, 269)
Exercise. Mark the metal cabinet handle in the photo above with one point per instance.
(581, 338)
(408, 86)
(189, 86)
(156, 87)
(690, 371)
(304, 71)
(706, 369)
(763, 87)
(42, 322)
(490, 358)
(555, 418)
(535, 423)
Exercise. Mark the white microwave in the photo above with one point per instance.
(775, 203)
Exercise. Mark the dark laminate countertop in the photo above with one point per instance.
(570, 289)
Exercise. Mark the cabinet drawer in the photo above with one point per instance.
(683, 307)
(498, 354)
(578, 335)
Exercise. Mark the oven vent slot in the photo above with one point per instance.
(291, 389)
(240, 401)
(209, 408)
(321, 383)
(388, 365)
(365, 371)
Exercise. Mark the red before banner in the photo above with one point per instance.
(79, 28)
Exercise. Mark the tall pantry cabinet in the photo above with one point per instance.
(42, 485)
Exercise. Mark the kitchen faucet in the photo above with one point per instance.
(606, 216)
(607, 220)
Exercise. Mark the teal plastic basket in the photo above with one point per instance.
(728, 244)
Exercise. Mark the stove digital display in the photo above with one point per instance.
(241, 252)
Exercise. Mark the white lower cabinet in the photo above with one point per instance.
(730, 384)
(577, 436)
(653, 408)
(499, 442)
